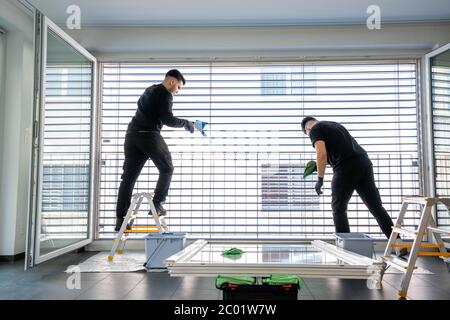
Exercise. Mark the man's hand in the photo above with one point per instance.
(189, 126)
(319, 185)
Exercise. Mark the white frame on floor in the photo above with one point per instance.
(355, 267)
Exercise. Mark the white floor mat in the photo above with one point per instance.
(129, 261)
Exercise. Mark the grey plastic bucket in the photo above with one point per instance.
(356, 242)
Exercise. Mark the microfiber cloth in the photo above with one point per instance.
(200, 126)
(310, 168)
(220, 280)
(283, 279)
(232, 252)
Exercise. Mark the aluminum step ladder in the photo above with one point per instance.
(426, 224)
(121, 238)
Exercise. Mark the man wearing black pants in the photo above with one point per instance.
(143, 141)
(352, 170)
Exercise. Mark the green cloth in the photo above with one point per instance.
(220, 280)
(282, 279)
(232, 251)
(234, 256)
(311, 166)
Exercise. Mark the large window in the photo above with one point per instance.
(65, 188)
(244, 180)
(440, 84)
(66, 146)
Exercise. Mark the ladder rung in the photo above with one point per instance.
(405, 231)
(417, 200)
(437, 230)
(434, 254)
(396, 263)
(423, 245)
(141, 230)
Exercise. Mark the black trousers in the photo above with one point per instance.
(139, 147)
(361, 179)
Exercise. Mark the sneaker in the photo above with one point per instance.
(159, 209)
(119, 222)
(401, 253)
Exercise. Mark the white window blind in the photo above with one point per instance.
(244, 180)
(440, 82)
(66, 150)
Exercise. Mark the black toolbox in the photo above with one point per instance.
(259, 292)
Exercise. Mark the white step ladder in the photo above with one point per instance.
(426, 224)
(133, 210)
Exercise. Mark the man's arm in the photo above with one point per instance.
(321, 157)
(167, 117)
(171, 121)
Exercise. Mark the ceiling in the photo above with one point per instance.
(240, 12)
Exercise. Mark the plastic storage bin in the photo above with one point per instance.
(160, 246)
(357, 242)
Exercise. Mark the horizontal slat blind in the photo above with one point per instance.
(66, 151)
(244, 180)
(440, 82)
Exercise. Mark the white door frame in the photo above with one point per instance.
(427, 116)
(427, 127)
(34, 227)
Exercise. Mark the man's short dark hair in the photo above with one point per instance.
(305, 120)
(176, 74)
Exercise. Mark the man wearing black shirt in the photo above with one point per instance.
(352, 170)
(143, 141)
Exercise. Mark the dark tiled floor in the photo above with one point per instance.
(48, 281)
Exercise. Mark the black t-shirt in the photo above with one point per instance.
(155, 110)
(342, 149)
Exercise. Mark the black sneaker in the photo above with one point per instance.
(159, 209)
(401, 253)
(119, 222)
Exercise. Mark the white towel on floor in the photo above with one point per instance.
(129, 261)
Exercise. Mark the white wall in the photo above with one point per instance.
(2, 82)
(234, 43)
(16, 122)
